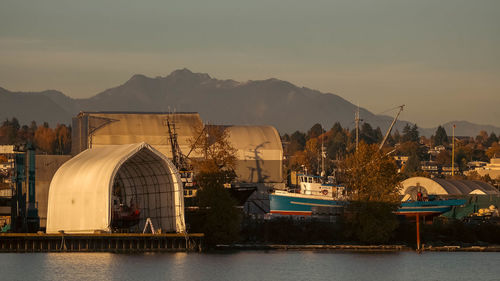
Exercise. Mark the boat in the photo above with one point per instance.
(429, 208)
(314, 195)
(317, 196)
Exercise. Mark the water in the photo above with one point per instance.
(251, 265)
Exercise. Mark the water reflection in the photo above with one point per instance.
(252, 265)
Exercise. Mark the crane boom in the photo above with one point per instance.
(390, 128)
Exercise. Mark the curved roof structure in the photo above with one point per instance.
(94, 129)
(259, 149)
(259, 153)
(446, 187)
(86, 191)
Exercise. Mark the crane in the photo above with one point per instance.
(390, 128)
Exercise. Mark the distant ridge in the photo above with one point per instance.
(261, 102)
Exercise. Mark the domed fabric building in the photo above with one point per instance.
(429, 186)
(92, 191)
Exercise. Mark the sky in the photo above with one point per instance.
(439, 57)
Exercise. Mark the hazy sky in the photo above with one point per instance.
(439, 57)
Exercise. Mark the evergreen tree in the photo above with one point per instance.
(440, 138)
(315, 131)
(492, 139)
(412, 165)
(297, 142)
(410, 133)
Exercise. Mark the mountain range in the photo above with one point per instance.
(263, 102)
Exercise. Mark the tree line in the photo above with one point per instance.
(303, 150)
(46, 140)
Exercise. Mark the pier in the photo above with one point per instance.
(105, 242)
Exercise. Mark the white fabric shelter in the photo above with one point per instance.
(446, 187)
(81, 192)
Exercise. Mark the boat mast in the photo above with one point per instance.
(323, 156)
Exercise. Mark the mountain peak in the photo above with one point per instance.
(186, 73)
(137, 77)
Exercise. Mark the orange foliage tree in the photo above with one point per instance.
(45, 139)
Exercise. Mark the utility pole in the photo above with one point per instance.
(356, 119)
(453, 152)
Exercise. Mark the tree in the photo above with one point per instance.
(312, 154)
(412, 166)
(493, 151)
(410, 133)
(297, 142)
(336, 145)
(9, 131)
(492, 139)
(397, 136)
(217, 154)
(369, 135)
(372, 181)
(444, 158)
(315, 131)
(482, 138)
(63, 139)
(440, 138)
(220, 219)
(45, 139)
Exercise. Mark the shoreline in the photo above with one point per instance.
(357, 248)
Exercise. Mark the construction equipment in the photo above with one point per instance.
(390, 128)
(24, 219)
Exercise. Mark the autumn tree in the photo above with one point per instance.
(482, 138)
(493, 151)
(45, 139)
(217, 153)
(220, 219)
(373, 183)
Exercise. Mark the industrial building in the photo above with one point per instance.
(444, 187)
(491, 169)
(116, 186)
(259, 149)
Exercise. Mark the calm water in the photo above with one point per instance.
(274, 265)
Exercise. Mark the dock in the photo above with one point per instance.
(102, 242)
